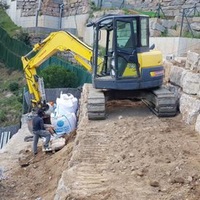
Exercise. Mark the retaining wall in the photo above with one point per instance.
(175, 46)
(183, 76)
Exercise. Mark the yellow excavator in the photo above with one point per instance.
(121, 62)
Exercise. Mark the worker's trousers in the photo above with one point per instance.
(40, 134)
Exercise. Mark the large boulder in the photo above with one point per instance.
(176, 75)
(189, 108)
(190, 83)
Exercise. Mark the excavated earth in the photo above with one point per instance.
(132, 155)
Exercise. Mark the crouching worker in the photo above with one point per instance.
(40, 131)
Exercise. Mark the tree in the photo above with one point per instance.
(58, 77)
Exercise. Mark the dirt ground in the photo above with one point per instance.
(132, 155)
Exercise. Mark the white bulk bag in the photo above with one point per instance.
(66, 103)
(70, 97)
(64, 124)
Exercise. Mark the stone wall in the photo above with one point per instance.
(172, 28)
(53, 7)
(183, 76)
(169, 7)
(62, 14)
(28, 8)
(73, 7)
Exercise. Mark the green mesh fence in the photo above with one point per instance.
(11, 51)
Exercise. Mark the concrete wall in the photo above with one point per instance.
(30, 21)
(12, 11)
(43, 21)
(77, 22)
(175, 45)
(49, 21)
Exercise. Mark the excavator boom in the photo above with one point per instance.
(55, 42)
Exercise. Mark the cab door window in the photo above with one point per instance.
(126, 49)
(144, 32)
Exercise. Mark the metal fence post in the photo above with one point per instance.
(182, 22)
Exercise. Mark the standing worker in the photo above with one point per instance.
(40, 131)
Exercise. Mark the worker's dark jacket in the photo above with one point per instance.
(38, 124)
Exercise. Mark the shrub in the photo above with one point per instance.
(59, 77)
(23, 36)
(13, 86)
(2, 116)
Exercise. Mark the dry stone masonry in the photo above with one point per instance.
(56, 13)
(73, 7)
(53, 7)
(170, 8)
(172, 28)
(184, 77)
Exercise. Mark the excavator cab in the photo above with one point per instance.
(122, 41)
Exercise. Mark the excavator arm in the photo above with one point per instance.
(55, 42)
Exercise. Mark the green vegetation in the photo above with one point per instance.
(7, 24)
(188, 34)
(58, 77)
(165, 33)
(13, 86)
(11, 110)
(11, 82)
(11, 96)
(23, 36)
(11, 28)
(102, 51)
(149, 13)
(130, 12)
(2, 116)
(93, 7)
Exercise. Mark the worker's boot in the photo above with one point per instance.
(47, 148)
